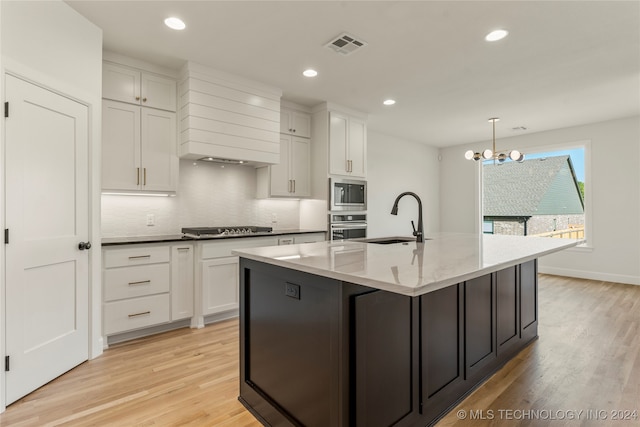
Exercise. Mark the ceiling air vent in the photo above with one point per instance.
(346, 44)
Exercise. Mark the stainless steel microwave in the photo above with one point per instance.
(347, 195)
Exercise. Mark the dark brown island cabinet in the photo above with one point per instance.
(315, 351)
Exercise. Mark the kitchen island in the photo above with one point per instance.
(354, 333)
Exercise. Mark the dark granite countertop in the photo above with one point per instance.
(129, 240)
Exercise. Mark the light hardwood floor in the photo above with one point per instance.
(587, 359)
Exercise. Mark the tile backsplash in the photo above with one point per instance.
(208, 194)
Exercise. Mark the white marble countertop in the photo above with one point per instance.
(411, 268)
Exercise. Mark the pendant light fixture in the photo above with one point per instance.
(489, 154)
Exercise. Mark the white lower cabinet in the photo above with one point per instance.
(181, 282)
(135, 313)
(219, 285)
(149, 285)
(146, 285)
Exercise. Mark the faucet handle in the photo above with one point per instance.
(415, 233)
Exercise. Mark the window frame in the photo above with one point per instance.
(588, 198)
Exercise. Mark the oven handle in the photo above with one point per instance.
(338, 226)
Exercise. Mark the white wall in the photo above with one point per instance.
(208, 195)
(395, 166)
(49, 43)
(614, 244)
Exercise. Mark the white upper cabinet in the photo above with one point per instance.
(139, 137)
(125, 84)
(347, 145)
(295, 123)
(291, 177)
(138, 148)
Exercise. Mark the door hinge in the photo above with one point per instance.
(6, 363)
(6, 236)
(6, 109)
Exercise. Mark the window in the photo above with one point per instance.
(543, 196)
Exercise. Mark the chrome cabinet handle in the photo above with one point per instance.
(140, 256)
(139, 314)
(141, 282)
(138, 176)
(183, 249)
(145, 176)
(294, 186)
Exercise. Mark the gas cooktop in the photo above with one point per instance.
(201, 232)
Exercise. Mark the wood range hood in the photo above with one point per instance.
(228, 119)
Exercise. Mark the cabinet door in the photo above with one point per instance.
(285, 121)
(120, 83)
(159, 158)
(507, 308)
(529, 300)
(357, 144)
(338, 128)
(158, 92)
(120, 146)
(295, 123)
(219, 285)
(280, 180)
(382, 359)
(300, 165)
(301, 124)
(479, 324)
(181, 282)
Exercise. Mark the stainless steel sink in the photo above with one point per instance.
(390, 240)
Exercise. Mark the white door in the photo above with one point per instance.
(47, 217)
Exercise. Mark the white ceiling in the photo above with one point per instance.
(564, 63)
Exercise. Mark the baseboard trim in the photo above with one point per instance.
(591, 275)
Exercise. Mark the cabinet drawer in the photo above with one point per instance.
(137, 281)
(137, 255)
(126, 315)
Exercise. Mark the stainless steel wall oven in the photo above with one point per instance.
(347, 226)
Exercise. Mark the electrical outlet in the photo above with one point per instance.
(151, 219)
(274, 218)
(292, 290)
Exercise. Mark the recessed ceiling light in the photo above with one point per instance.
(309, 73)
(496, 35)
(389, 102)
(175, 23)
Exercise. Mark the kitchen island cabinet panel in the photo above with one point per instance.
(507, 296)
(529, 300)
(315, 350)
(441, 322)
(292, 324)
(383, 359)
(479, 323)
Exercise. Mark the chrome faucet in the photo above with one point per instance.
(419, 233)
